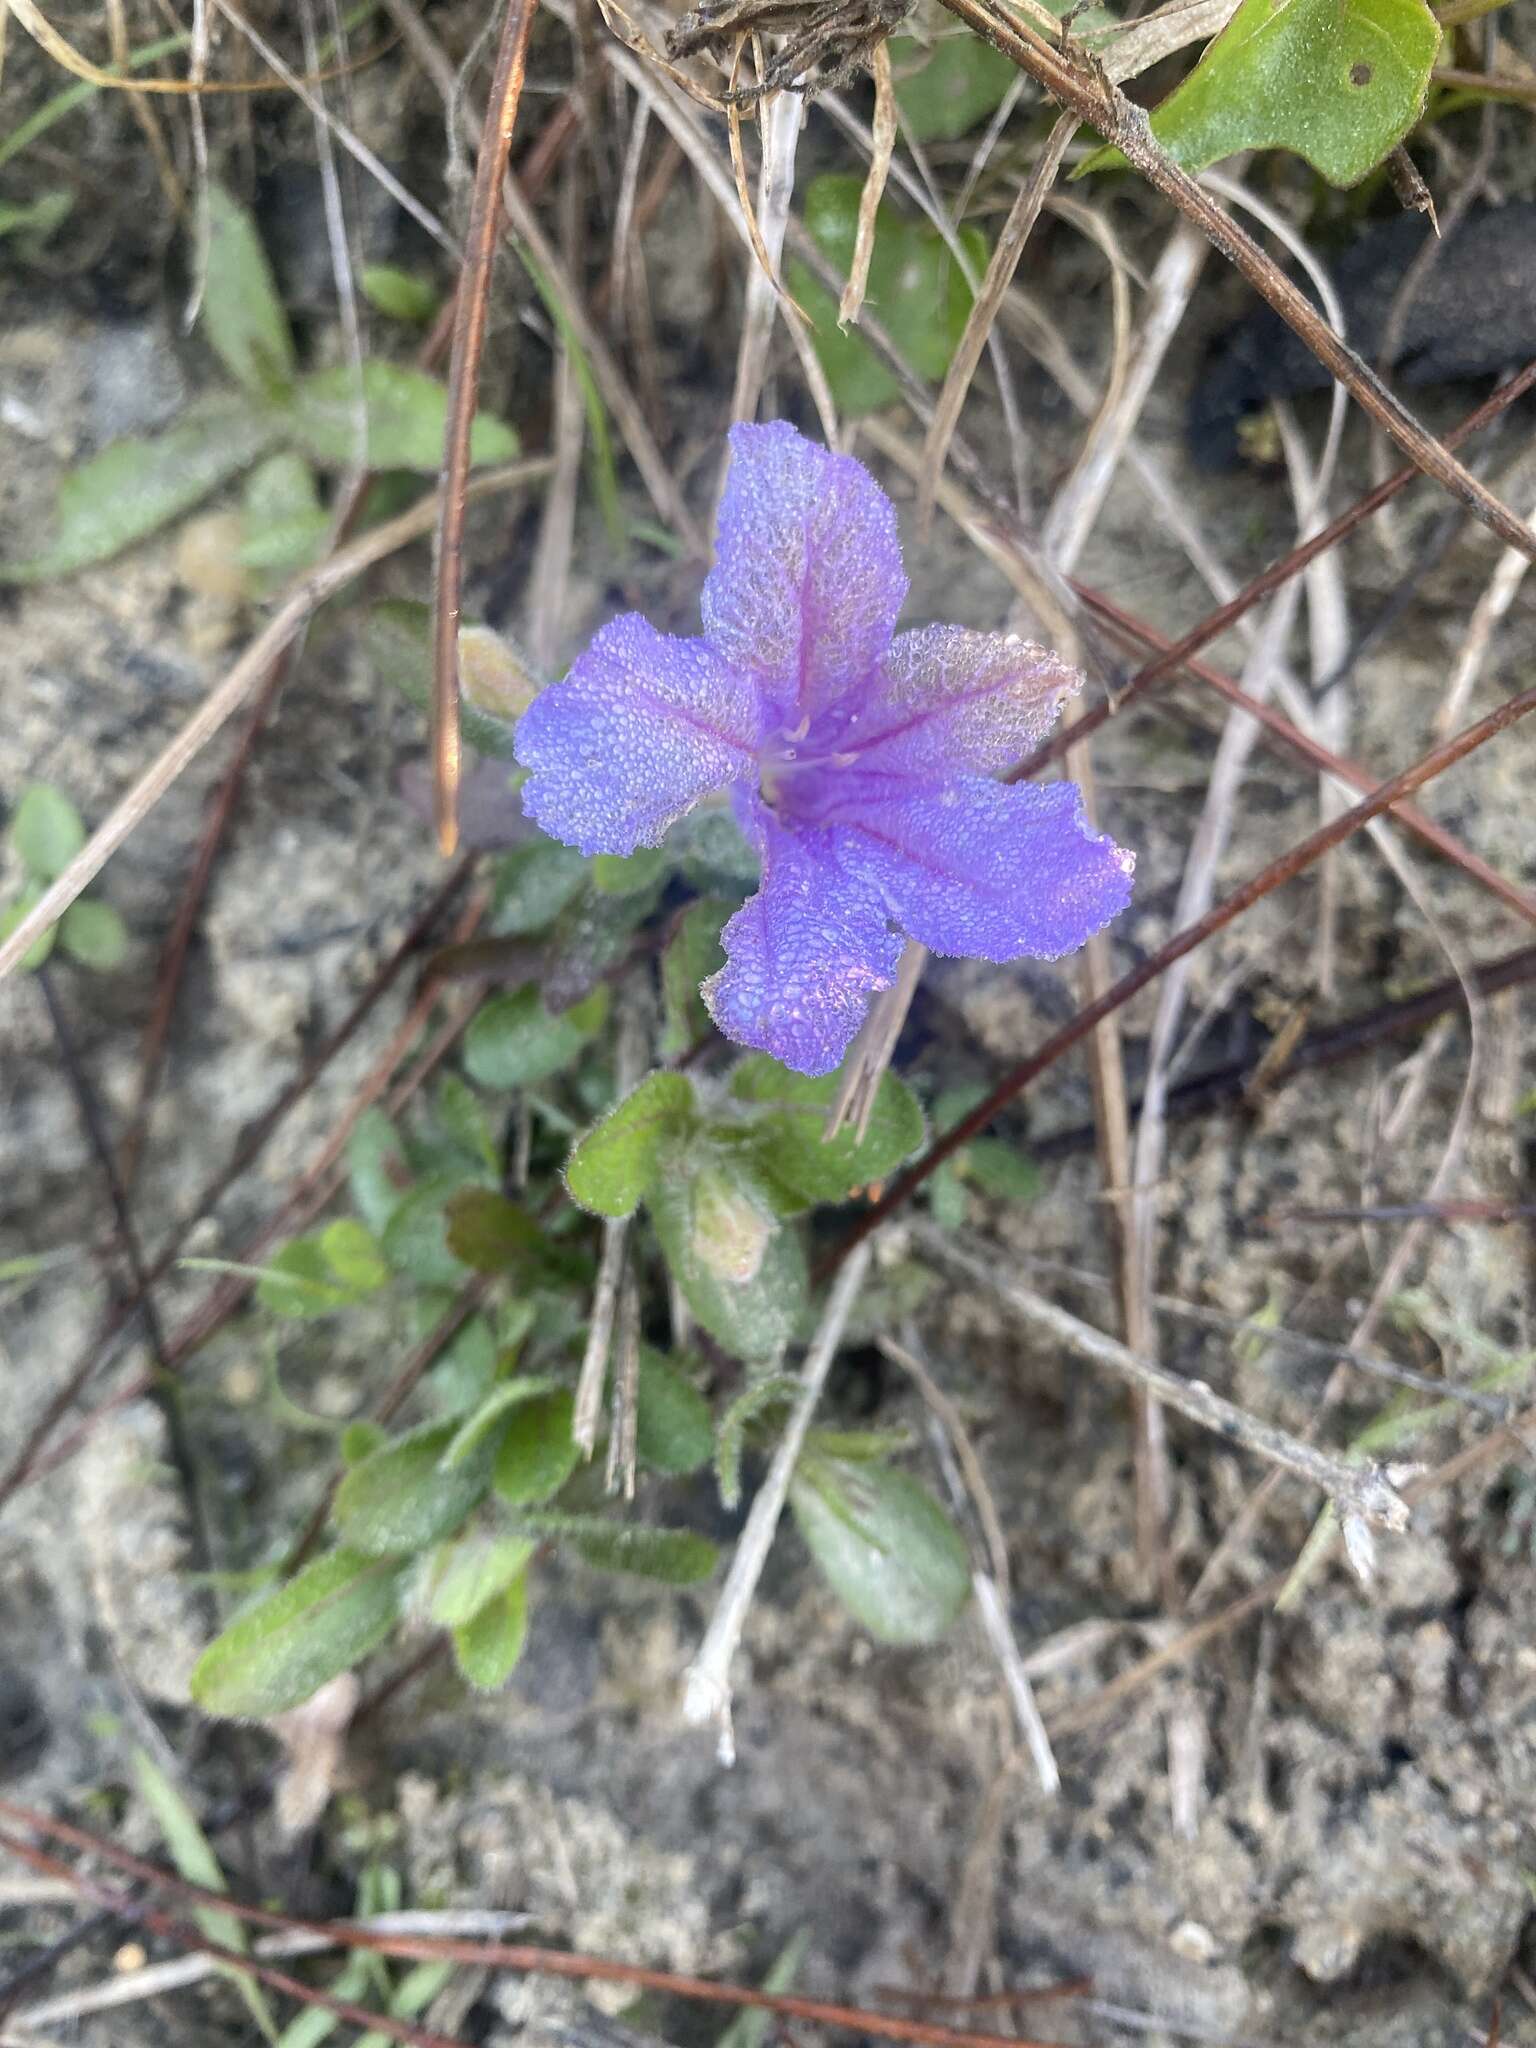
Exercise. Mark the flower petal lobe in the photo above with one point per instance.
(807, 582)
(988, 871)
(642, 728)
(803, 956)
(950, 702)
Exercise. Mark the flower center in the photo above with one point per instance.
(786, 761)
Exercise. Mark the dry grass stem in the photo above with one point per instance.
(884, 132)
(707, 1685)
(1358, 1488)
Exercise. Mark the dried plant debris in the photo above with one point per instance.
(1472, 315)
(827, 42)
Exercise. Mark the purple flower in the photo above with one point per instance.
(860, 765)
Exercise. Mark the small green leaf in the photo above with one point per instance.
(673, 1429)
(487, 1647)
(947, 1200)
(775, 1390)
(752, 1318)
(613, 1166)
(401, 1500)
(916, 289)
(37, 219)
(13, 914)
(92, 933)
(464, 1574)
(945, 91)
(751, 2027)
(492, 1412)
(533, 885)
(242, 314)
(194, 1858)
(462, 1115)
(353, 1255)
(46, 831)
(629, 874)
(514, 1041)
(398, 294)
(466, 1370)
(1001, 1169)
(397, 633)
(359, 1440)
(884, 1545)
(299, 1281)
(677, 1557)
(133, 488)
(275, 1654)
(492, 1234)
(377, 1173)
(790, 1148)
(538, 1453)
(415, 1239)
(1339, 82)
(406, 413)
(285, 523)
(692, 955)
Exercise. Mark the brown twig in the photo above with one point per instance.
(486, 1954)
(472, 306)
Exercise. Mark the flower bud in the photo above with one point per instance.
(493, 675)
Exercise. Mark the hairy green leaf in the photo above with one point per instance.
(514, 1041)
(673, 1429)
(402, 1499)
(884, 1545)
(486, 1647)
(611, 1168)
(243, 317)
(406, 412)
(537, 1453)
(677, 1557)
(789, 1147)
(92, 932)
(275, 1654)
(474, 1568)
(46, 831)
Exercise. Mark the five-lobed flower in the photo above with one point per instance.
(861, 763)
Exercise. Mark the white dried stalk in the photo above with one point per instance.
(1502, 590)
(707, 1685)
(884, 133)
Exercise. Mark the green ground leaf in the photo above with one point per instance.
(674, 1432)
(377, 1173)
(38, 218)
(916, 290)
(243, 316)
(753, 1318)
(398, 294)
(193, 1856)
(92, 933)
(884, 1545)
(402, 1500)
(353, 1255)
(486, 1648)
(514, 1041)
(945, 91)
(46, 831)
(275, 1654)
(467, 1573)
(285, 523)
(630, 874)
(612, 1167)
(133, 488)
(537, 1454)
(299, 1281)
(1340, 82)
(533, 885)
(789, 1147)
(21, 907)
(415, 1239)
(676, 1557)
(407, 412)
(490, 1233)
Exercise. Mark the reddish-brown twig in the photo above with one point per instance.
(472, 308)
(1313, 752)
(499, 1955)
(1293, 862)
(1176, 654)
